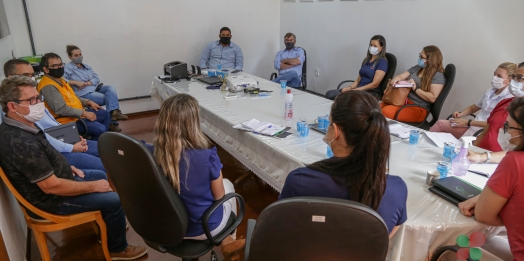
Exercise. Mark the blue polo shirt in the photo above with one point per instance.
(368, 69)
(305, 182)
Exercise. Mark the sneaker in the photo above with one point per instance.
(131, 253)
(116, 115)
(114, 128)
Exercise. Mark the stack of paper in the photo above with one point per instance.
(398, 130)
(256, 126)
(439, 138)
(487, 169)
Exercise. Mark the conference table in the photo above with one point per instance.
(432, 222)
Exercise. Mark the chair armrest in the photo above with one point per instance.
(438, 253)
(304, 81)
(273, 76)
(478, 132)
(411, 105)
(451, 115)
(338, 87)
(217, 240)
(249, 233)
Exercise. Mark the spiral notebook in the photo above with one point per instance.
(454, 189)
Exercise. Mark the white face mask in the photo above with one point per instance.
(497, 82)
(36, 112)
(515, 88)
(373, 50)
(504, 139)
(325, 138)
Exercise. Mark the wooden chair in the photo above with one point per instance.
(52, 222)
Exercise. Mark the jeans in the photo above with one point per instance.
(92, 148)
(292, 78)
(97, 127)
(108, 203)
(83, 161)
(105, 96)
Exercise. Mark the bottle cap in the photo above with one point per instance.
(288, 90)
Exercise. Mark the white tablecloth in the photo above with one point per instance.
(432, 221)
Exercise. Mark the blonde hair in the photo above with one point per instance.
(177, 129)
(434, 65)
(509, 67)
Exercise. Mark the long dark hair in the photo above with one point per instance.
(366, 131)
(516, 111)
(382, 55)
(434, 65)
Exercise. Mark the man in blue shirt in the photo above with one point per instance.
(83, 154)
(223, 52)
(289, 62)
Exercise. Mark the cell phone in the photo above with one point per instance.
(236, 71)
(99, 86)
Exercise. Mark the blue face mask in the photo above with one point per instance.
(421, 63)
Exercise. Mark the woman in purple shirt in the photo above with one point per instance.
(360, 141)
(192, 166)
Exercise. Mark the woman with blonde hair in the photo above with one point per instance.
(459, 126)
(191, 164)
(428, 81)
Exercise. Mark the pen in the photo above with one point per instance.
(480, 173)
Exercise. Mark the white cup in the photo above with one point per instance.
(431, 175)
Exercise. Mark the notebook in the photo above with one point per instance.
(67, 133)
(210, 80)
(454, 189)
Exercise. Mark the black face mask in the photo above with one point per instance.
(57, 73)
(225, 40)
(290, 45)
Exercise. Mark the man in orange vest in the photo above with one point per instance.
(64, 104)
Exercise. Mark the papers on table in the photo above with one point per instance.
(398, 130)
(487, 169)
(256, 126)
(439, 138)
(475, 180)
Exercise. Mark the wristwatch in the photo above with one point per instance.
(469, 122)
(489, 156)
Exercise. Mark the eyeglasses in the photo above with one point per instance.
(33, 100)
(28, 75)
(507, 127)
(518, 78)
(56, 66)
(423, 58)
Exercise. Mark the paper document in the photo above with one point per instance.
(265, 128)
(487, 169)
(398, 130)
(440, 137)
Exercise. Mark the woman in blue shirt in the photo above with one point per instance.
(192, 166)
(373, 70)
(360, 141)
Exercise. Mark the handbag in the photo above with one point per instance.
(396, 95)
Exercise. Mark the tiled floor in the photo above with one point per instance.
(80, 243)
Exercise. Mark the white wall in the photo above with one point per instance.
(475, 35)
(127, 42)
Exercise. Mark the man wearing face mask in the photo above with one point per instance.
(459, 126)
(289, 62)
(64, 104)
(222, 52)
(493, 137)
(83, 154)
(44, 177)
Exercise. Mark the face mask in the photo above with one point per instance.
(225, 40)
(373, 50)
(33, 78)
(57, 73)
(78, 60)
(290, 45)
(504, 139)
(421, 63)
(515, 88)
(36, 112)
(497, 82)
(325, 138)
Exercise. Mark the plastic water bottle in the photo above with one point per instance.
(288, 111)
(460, 164)
(219, 66)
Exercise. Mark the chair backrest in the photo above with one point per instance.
(304, 71)
(26, 205)
(449, 72)
(392, 67)
(306, 228)
(151, 204)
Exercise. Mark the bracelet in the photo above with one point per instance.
(489, 157)
(469, 122)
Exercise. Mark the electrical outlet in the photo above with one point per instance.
(317, 72)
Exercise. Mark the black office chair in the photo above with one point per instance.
(379, 91)
(441, 250)
(151, 204)
(308, 228)
(449, 73)
(304, 73)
